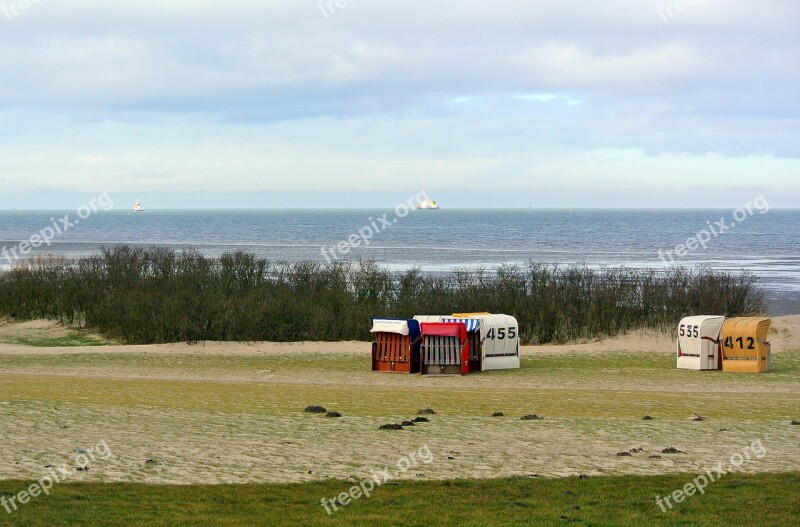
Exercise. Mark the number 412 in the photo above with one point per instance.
(751, 343)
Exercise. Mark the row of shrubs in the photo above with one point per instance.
(157, 295)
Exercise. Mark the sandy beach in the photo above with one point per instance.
(233, 412)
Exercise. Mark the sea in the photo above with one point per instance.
(765, 242)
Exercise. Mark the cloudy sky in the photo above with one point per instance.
(301, 103)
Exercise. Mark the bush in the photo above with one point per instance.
(157, 295)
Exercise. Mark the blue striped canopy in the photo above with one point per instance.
(472, 323)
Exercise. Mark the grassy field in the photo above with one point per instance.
(216, 435)
(77, 338)
(735, 500)
(571, 386)
(44, 334)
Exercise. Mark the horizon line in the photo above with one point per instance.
(432, 211)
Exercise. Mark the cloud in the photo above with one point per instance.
(252, 94)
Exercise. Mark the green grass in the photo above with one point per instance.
(617, 366)
(198, 363)
(734, 500)
(621, 385)
(286, 399)
(74, 339)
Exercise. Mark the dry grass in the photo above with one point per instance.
(233, 414)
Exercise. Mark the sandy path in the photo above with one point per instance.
(785, 334)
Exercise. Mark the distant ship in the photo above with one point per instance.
(137, 207)
(428, 204)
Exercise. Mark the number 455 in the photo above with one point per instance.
(502, 333)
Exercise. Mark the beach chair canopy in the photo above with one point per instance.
(444, 329)
(698, 343)
(745, 348)
(388, 325)
(743, 338)
(472, 324)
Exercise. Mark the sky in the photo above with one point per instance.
(361, 103)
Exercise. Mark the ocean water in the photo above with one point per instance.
(768, 243)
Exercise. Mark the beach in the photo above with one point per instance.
(213, 413)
